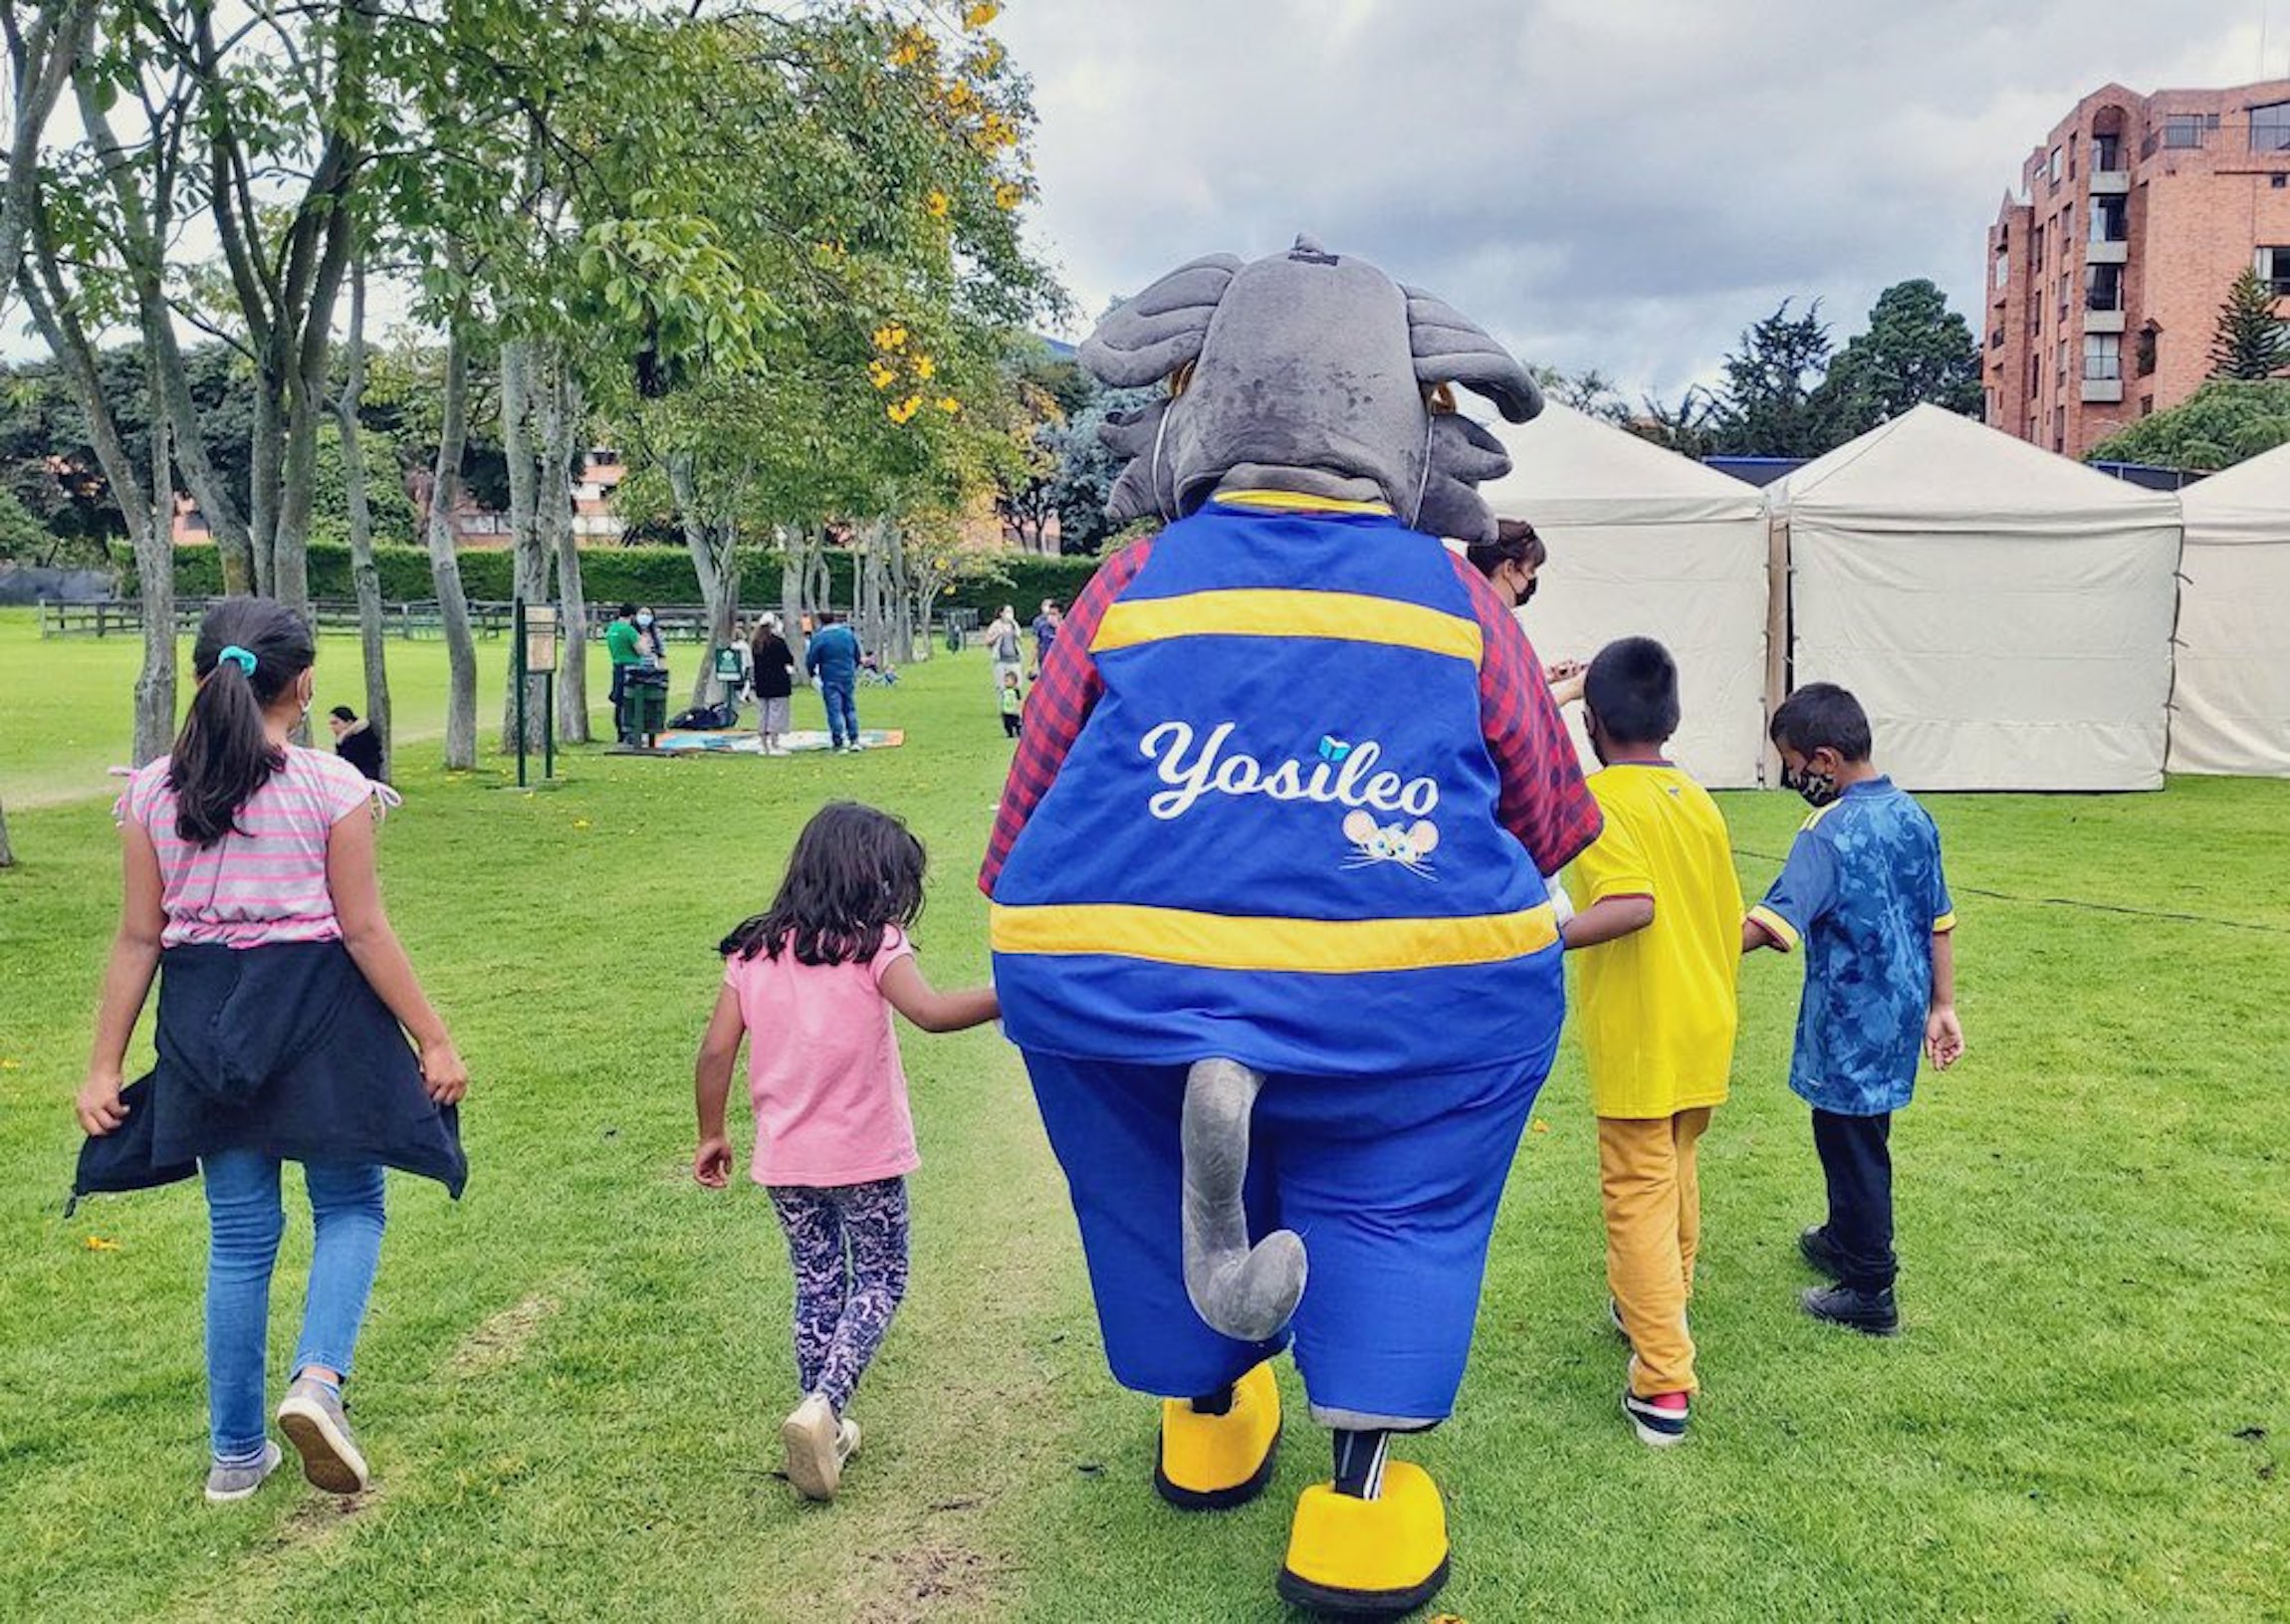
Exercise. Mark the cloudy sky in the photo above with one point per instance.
(1613, 183)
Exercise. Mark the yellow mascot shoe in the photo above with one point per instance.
(1212, 1463)
(1368, 1559)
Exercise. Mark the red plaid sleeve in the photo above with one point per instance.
(1544, 800)
(1061, 702)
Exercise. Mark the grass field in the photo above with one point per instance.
(571, 1380)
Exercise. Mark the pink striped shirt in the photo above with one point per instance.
(268, 884)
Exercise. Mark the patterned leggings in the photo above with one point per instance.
(848, 1245)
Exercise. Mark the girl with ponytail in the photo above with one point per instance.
(286, 1004)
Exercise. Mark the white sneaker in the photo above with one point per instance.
(846, 1442)
(811, 1436)
(857, 747)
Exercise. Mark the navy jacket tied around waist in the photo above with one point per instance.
(1275, 838)
(282, 1050)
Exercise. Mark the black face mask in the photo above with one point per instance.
(1818, 789)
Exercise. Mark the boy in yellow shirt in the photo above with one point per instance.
(1660, 934)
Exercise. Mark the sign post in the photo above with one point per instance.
(535, 633)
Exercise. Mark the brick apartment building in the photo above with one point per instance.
(2106, 266)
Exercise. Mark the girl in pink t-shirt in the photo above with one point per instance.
(811, 985)
(249, 864)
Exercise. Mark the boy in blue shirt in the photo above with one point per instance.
(1864, 894)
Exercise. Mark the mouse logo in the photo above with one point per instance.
(1376, 843)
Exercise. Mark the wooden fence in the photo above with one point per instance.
(413, 621)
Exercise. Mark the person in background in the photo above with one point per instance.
(1863, 892)
(621, 646)
(1512, 563)
(1012, 705)
(1658, 948)
(736, 692)
(772, 670)
(1002, 646)
(355, 742)
(809, 987)
(284, 1017)
(833, 658)
(1045, 629)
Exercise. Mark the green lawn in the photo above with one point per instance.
(570, 1381)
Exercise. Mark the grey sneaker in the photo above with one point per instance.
(229, 1483)
(811, 1436)
(313, 1421)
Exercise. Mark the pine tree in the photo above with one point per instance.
(2250, 342)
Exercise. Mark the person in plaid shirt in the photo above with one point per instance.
(1271, 923)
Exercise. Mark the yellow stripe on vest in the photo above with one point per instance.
(1216, 941)
(1250, 612)
(1298, 502)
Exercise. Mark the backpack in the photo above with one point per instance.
(705, 719)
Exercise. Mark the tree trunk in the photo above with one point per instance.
(305, 390)
(560, 421)
(794, 572)
(263, 486)
(364, 577)
(530, 558)
(445, 566)
(155, 577)
(714, 545)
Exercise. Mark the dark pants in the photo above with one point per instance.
(1009, 725)
(842, 711)
(619, 692)
(1857, 1159)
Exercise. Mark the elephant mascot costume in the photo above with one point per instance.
(1270, 922)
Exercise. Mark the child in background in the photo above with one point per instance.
(810, 984)
(1660, 943)
(283, 1011)
(1012, 705)
(1864, 891)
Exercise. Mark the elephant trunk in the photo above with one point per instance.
(1243, 1291)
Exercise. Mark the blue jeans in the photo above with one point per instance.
(842, 711)
(244, 1223)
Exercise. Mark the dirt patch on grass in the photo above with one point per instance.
(503, 1339)
(934, 1580)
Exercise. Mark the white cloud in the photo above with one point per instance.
(1619, 183)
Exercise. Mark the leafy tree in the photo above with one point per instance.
(1589, 391)
(2225, 421)
(1771, 404)
(2250, 342)
(1688, 428)
(1915, 352)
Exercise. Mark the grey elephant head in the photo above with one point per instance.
(1310, 364)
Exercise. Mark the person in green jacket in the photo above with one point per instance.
(623, 644)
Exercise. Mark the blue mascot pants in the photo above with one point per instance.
(1393, 1185)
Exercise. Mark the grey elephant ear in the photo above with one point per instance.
(1450, 347)
(1463, 455)
(1161, 329)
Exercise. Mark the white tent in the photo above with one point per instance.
(2230, 711)
(1645, 542)
(2004, 614)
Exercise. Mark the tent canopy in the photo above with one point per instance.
(2004, 614)
(1644, 541)
(2232, 706)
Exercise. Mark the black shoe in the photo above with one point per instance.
(1873, 1314)
(1822, 1252)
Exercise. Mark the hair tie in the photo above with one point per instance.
(235, 656)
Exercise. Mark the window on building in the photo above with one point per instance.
(2103, 356)
(2036, 248)
(2105, 154)
(2147, 405)
(1995, 339)
(2059, 428)
(2064, 348)
(2065, 283)
(2103, 287)
(2053, 168)
(2109, 219)
(2270, 128)
(2188, 129)
(2003, 267)
(2273, 266)
(2143, 351)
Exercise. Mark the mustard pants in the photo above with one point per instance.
(1653, 1200)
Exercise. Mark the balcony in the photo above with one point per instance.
(2110, 182)
(2103, 253)
(2102, 390)
(2103, 321)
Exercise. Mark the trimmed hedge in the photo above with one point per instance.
(611, 574)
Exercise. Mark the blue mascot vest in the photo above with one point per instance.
(1275, 838)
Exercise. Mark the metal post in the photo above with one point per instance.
(521, 685)
(547, 727)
